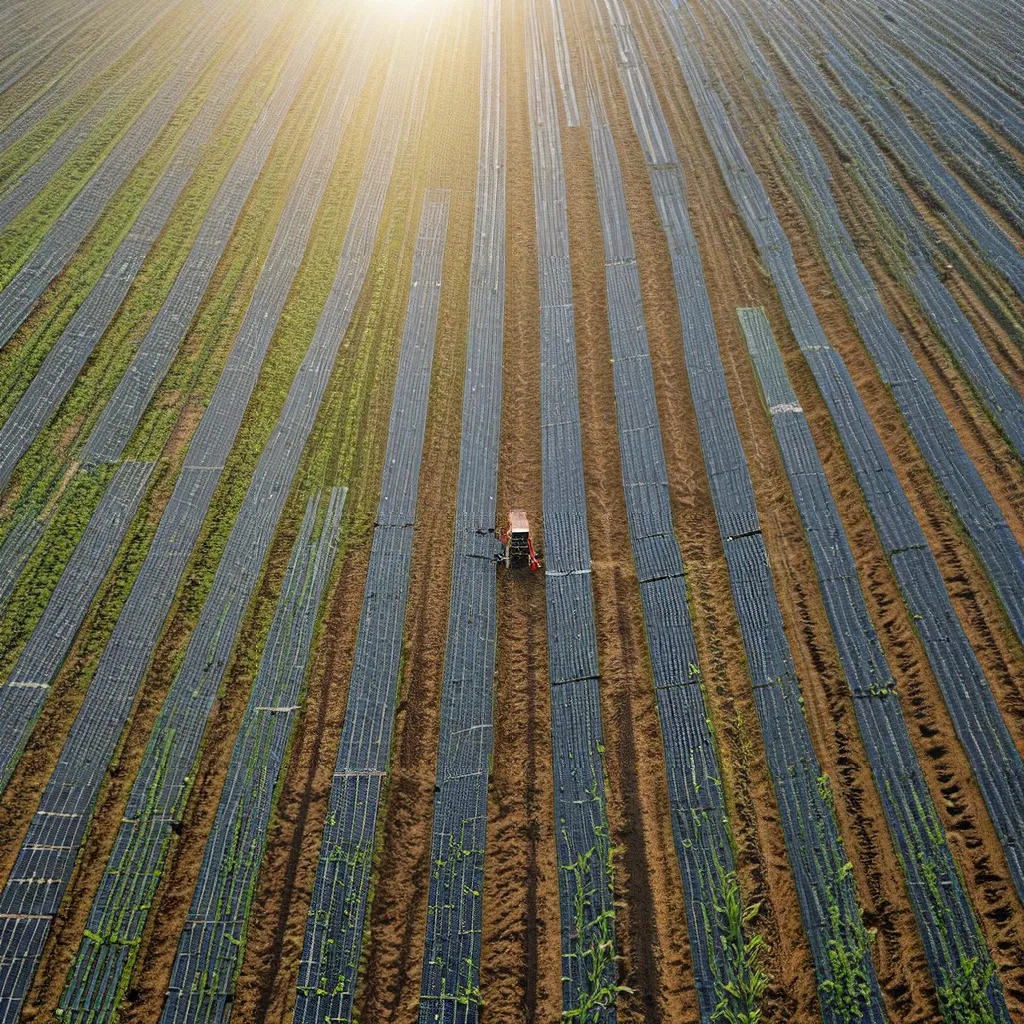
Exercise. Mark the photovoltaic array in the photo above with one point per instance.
(65, 360)
(36, 176)
(203, 204)
(585, 884)
(828, 899)
(213, 940)
(29, 682)
(61, 242)
(934, 434)
(958, 959)
(451, 957)
(699, 821)
(162, 785)
(334, 931)
(986, 740)
(157, 350)
(37, 884)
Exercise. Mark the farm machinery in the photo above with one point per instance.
(517, 542)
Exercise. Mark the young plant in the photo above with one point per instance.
(739, 992)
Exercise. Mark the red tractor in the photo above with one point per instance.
(518, 542)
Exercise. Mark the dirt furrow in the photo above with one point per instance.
(520, 974)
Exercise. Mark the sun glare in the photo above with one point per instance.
(402, 7)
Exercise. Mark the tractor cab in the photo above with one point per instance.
(518, 542)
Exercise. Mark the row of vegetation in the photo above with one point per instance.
(36, 488)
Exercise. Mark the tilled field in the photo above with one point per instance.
(298, 300)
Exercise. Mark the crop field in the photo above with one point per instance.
(301, 300)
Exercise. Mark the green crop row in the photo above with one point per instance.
(36, 78)
(46, 563)
(285, 354)
(194, 375)
(287, 349)
(27, 230)
(46, 463)
(148, 291)
(17, 158)
(21, 358)
(593, 927)
(963, 994)
(740, 987)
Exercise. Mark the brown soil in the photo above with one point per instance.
(955, 796)
(21, 798)
(521, 969)
(520, 973)
(651, 925)
(395, 941)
